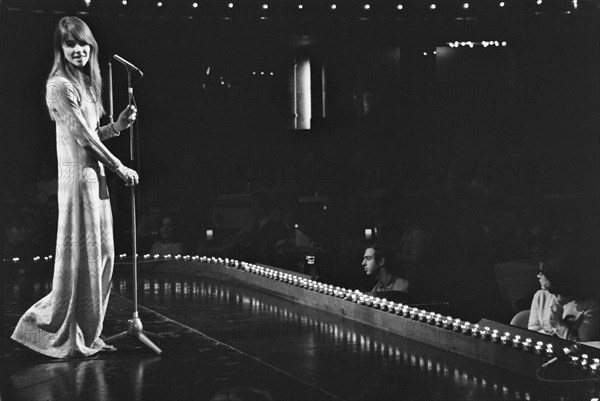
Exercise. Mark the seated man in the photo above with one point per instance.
(378, 263)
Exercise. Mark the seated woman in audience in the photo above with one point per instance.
(560, 307)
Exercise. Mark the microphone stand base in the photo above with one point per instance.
(136, 330)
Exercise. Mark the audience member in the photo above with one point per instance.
(148, 228)
(167, 244)
(378, 262)
(18, 239)
(268, 231)
(411, 247)
(562, 307)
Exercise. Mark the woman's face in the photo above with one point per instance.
(76, 53)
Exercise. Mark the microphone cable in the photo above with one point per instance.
(541, 378)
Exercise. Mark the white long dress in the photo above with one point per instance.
(68, 321)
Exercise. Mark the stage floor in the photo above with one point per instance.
(217, 337)
(192, 366)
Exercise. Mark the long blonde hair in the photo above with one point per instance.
(75, 28)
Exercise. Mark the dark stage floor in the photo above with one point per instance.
(218, 336)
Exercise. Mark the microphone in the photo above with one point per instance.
(128, 65)
(567, 351)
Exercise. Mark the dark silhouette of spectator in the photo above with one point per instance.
(18, 238)
(168, 243)
(271, 233)
(411, 242)
(148, 229)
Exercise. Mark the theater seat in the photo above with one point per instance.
(520, 319)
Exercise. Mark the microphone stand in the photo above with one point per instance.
(135, 327)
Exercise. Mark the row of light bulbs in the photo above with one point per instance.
(484, 43)
(471, 44)
(333, 6)
(435, 319)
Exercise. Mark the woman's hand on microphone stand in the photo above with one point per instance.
(126, 118)
(128, 175)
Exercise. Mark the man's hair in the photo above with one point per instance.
(382, 251)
